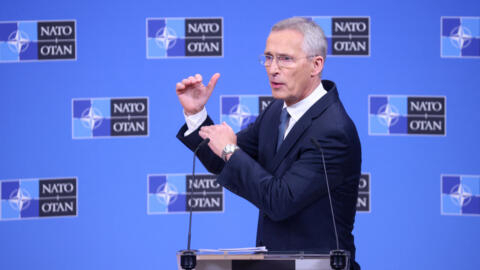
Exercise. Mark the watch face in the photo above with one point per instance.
(230, 148)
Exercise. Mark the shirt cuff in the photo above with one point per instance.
(194, 121)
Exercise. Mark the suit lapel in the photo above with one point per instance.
(303, 124)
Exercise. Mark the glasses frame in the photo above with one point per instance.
(263, 59)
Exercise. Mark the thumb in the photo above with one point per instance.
(213, 82)
(226, 125)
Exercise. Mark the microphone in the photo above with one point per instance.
(188, 259)
(338, 257)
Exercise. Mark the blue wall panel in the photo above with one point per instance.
(405, 228)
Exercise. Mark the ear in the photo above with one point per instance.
(317, 65)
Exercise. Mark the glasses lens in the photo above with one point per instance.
(263, 60)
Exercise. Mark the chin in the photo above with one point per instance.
(277, 94)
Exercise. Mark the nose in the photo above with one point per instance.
(273, 68)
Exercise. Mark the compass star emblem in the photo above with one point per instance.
(388, 115)
(19, 199)
(166, 38)
(18, 41)
(167, 194)
(239, 114)
(461, 37)
(461, 195)
(91, 118)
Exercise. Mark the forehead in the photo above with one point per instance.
(284, 42)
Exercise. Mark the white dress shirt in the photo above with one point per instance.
(297, 110)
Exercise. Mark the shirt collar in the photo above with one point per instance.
(297, 110)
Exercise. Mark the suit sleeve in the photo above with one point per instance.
(301, 183)
(247, 139)
(212, 162)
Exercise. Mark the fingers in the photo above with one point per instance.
(197, 79)
(202, 134)
(180, 86)
(214, 129)
(213, 82)
(207, 131)
(190, 81)
(227, 126)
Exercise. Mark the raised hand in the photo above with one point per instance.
(193, 94)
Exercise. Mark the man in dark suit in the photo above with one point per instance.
(273, 163)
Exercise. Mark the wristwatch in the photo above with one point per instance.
(229, 149)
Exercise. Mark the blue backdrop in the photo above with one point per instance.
(405, 228)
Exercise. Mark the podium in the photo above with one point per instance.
(261, 261)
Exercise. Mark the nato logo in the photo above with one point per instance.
(406, 115)
(460, 195)
(363, 201)
(184, 37)
(346, 36)
(241, 110)
(23, 41)
(179, 193)
(109, 117)
(38, 198)
(460, 37)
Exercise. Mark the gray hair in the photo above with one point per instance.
(314, 40)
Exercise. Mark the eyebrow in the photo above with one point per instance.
(278, 55)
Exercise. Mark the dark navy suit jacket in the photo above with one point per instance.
(288, 186)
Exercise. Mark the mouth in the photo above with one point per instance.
(276, 85)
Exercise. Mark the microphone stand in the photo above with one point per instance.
(338, 257)
(188, 259)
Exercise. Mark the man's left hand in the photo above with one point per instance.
(220, 136)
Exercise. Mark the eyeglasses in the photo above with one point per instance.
(282, 60)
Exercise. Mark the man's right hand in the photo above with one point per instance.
(193, 94)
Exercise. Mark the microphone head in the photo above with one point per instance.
(188, 259)
(338, 259)
(206, 141)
